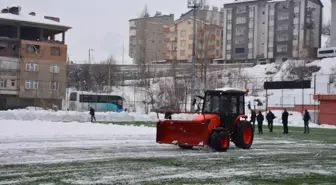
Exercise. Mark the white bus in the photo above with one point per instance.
(82, 101)
(326, 52)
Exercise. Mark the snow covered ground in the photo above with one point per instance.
(40, 152)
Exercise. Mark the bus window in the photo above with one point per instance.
(73, 96)
(326, 51)
(120, 103)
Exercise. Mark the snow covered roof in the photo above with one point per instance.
(31, 19)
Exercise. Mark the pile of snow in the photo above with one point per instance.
(63, 116)
(45, 129)
(70, 116)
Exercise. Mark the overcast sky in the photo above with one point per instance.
(103, 25)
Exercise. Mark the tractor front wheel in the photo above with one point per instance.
(243, 135)
(186, 146)
(219, 141)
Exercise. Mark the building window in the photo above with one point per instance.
(229, 22)
(217, 52)
(296, 15)
(284, 6)
(32, 67)
(228, 41)
(241, 20)
(190, 46)
(182, 53)
(3, 84)
(33, 49)
(283, 15)
(240, 31)
(31, 84)
(183, 43)
(295, 37)
(240, 50)
(55, 51)
(183, 33)
(54, 86)
(217, 42)
(218, 32)
(282, 48)
(239, 41)
(54, 68)
(283, 27)
(241, 10)
(281, 38)
(13, 83)
(249, 40)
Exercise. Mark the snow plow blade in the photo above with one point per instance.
(182, 132)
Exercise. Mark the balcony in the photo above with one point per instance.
(173, 39)
(44, 50)
(166, 49)
(166, 39)
(211, 47)
(166, 30)
(9, 47)
(9, 64)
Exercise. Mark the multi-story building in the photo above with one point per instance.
(179, 40)
(214, 16)
(333, 23)
(32, 61)
(267, 30)
(146, 38)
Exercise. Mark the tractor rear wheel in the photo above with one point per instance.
(219, 141)
(186, 146)
(243, 135)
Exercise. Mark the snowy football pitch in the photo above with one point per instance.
(36, 152)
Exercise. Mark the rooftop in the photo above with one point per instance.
(22, 17)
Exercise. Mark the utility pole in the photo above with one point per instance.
(194, 5)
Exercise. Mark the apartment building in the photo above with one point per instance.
(213, 16)
(333, 23)
(271, 30)
(179, 40)
(32, 60)
(146, 38)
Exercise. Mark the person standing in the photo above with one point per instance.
(92, 113)
(260, 120)
(270, 117)
(306, 119)
(285, 121)
(253, 118)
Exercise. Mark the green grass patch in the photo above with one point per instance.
(313, 179)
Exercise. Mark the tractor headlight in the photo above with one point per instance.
(207, 121)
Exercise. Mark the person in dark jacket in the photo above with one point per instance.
(285, 121)
(270, 117)
(92, 113)
(306, 119)
(253, 118)
(260, 120)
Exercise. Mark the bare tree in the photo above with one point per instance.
(326, 27)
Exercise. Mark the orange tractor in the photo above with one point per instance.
(221, 120)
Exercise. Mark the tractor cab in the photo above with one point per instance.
(228, 104)
(219, 122)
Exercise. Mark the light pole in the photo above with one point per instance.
(194, 4)
(90, 55)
